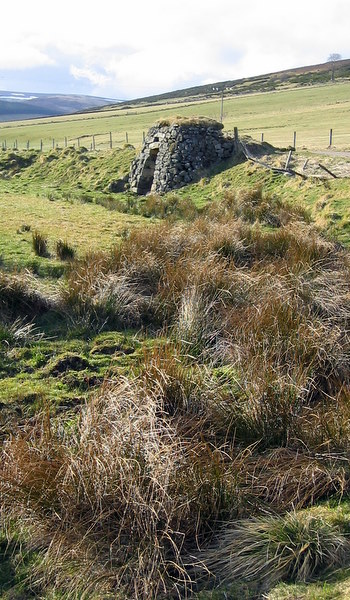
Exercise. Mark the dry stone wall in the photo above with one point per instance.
(174, 154)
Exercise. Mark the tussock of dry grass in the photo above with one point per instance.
(121, 498)
(39, 243)
(283, 478)
(20, 298)
(295, 546)
(253, 205)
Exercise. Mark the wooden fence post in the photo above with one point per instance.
(110, 140)
(236, 137)
(262, 138)
(294, 140)
(78, 142)
(27, 144)
(65, 142)
(93, 142)
(41, 145)
(126, 137)
(53, 143)
(143, 137)
(330, 136)
(288, 159)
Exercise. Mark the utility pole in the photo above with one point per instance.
(216, 89)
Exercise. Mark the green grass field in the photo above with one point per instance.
(85, 229)
(310, 111)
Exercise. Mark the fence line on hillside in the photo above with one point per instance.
(93, 142)
(328, 138)
(109, 140)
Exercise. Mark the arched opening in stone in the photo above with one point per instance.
(147, 175)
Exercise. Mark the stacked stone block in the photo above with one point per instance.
(175, 154)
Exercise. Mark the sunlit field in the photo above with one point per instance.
(310, 111)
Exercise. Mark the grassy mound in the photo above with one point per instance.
(297, 546)
(185, 121)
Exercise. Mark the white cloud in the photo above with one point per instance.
(97, 79)
(23, 55)
(132, 49)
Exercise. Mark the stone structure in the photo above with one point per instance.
(175, 153)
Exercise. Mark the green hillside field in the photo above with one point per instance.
(310, 111)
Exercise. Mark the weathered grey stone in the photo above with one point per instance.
(174, 153)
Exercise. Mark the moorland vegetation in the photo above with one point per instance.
(174, 400)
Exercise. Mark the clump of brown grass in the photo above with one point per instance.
(40, 243)
(144, 270)
(324, 424)
(180, 385)
(95, 296)
(257, 206)
(120, 498)
(170, 207)
(285, 355)
(284, 479)
(64, 250)
(102, 496)
(19, 297)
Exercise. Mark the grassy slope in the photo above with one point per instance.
(56, 195)
(56, 217)
(310, 111)
(48, 196)
(69, 178)
(327, 200)
(301, 76)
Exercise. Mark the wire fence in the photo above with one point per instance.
(92, 142)
(302, 139)
(279, 137)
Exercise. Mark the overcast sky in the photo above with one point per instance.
(127, 49)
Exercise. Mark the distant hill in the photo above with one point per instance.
(15, 106)
(298, 77)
